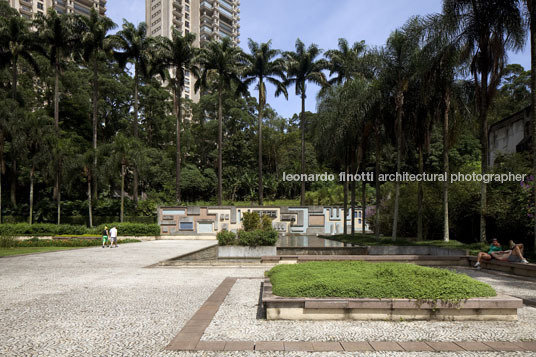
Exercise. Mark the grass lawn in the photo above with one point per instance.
(5, 252)
(373, 280)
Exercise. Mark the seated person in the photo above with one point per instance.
(493, 251)
(514, 255)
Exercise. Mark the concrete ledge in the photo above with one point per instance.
(498, 308)
(520, 269)
(415, 250)
(233, 251)
(427, 260)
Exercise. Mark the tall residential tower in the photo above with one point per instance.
(29, 8)
(208, 19)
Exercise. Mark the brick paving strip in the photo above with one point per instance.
(189, 338)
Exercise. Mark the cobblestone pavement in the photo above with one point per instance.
(101, 302)
(105, 302)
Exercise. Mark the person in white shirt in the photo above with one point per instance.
(113, 237)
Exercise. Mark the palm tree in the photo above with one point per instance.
(398, 70)
(262, 65)
(135, 46)
(486, 30)
(94, 42)
(55, 32)
(345, 62)
(16, 43)
(180, 54)
(221, 62)
(531, 7)
(303, 67)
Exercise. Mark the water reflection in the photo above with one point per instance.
(306, 241)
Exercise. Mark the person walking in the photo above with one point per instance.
(105, 236)
(113, 237)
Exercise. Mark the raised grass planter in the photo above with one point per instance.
(359, 290)
(497, 308)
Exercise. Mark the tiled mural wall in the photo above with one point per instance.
(191, 221)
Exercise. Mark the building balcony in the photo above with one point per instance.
(177, 14)
(25, 10)
(88, 3)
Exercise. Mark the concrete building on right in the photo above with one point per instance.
(510, 135)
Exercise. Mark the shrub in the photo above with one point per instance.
(7, 241)
(49, 229)
(266, 223)
(257, 237)
(250, 221)
(35, 242)
(226, 238)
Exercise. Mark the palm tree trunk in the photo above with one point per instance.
(420, 196)
(345, 203)
(377, 184)
(13, 190)
(57, 96)
(121, 215)
(302, 129)
(95, 113)
(14, 79)
(363, 206)
(446, 236)
(532, 18)
(31, 193)
(136, 110)
(352, 209)
(59, 200)
(483, 114)
(399, 104)
(2, 168)
(220, 144)
(89, 203)
(178, 111)
(261, 108)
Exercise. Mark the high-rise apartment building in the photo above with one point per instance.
(208, 19)
(29, 8)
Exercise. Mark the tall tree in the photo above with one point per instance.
(303, 67)
(134, 46)
(222, 64)
(399, 55)
(486, 31)
(16, 43)
(94, 43)
(180, 54)
(262, 65)
(344, 64)
(56, 34)
(531, 7)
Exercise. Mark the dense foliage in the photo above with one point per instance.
(89, 128)
(374, 280)
(49, 229)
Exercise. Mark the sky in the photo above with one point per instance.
(321, 22)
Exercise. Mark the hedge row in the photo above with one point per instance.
(48, 229)
(10, 242)
(254, 238)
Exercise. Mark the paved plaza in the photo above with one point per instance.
(114, 302)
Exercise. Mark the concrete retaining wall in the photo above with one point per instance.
(232, 251)
(321, 250)
(415, 250)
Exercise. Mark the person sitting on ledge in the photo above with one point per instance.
(514, 255)
(493, 251)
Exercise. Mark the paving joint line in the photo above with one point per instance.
(189, 337)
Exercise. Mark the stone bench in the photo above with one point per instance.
(506, 267)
